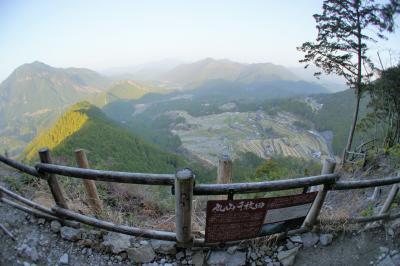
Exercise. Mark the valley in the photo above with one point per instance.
(231, 108)
(234, 133)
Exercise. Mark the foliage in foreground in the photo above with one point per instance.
(385, 107)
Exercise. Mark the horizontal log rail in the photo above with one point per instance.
(108, 176)
(345, 185)
(19, 166)
(358, 220)
(29, 210)
(71, 218)
(254, 187)
(134, 231)
(26, 201)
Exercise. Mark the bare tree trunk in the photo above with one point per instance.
(353, 125)
(357, 88)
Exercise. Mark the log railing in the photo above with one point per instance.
(184, 187)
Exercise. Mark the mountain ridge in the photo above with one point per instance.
(193, 74)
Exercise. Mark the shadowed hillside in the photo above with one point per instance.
(109, 144)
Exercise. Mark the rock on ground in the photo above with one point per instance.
(64, 259)
(116, 242)
(325, 239)
(29, 252)
(224, 258)
(55, 226)
(198, 258)
(309, 239)
(287, 257)
(142, 254)
(70, 233)
(164, 247)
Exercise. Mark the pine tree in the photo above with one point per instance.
(345, 29)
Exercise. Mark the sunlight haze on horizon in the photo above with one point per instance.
(102, 34)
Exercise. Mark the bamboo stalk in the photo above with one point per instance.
(52, 181)
(90, 186)
(184, 183)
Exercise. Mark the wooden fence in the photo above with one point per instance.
(184, 187)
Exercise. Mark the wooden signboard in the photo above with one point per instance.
(287, 212)
(229, 220)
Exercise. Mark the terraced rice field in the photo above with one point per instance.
(232, 132)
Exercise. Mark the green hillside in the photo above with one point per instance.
(124, 90)
(37, 86)
(109, 145)
(35, 94)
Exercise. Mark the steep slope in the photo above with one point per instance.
(35, 94)
(37, 86)
(110, 146)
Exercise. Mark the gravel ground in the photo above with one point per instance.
(42, 243)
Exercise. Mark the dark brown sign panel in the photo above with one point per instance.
(229, 220)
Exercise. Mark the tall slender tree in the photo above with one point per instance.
(345, 29)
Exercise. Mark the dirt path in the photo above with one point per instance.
(361, 249)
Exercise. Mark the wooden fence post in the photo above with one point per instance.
(184, 182)
(390, 198)
(224, 172)
(327, 168)
(55, 187)
(90, 186)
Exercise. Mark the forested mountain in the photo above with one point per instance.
(38, 87)
(109, 145)
(257, 109)
(124, 90)
(35, 94)
(255, 90)
(192, 75)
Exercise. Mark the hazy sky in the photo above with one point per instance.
(102, 34)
